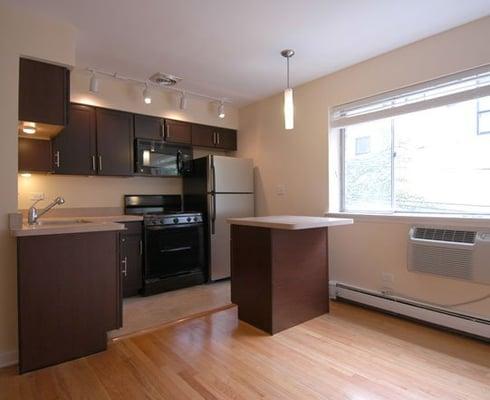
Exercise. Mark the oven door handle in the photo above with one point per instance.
(175, 249)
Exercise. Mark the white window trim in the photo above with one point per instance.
(482, 221)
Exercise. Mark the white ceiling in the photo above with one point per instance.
(230, 48)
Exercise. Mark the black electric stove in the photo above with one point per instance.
(173, 243)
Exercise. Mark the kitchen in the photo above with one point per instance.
(172, 239)
(197, 237)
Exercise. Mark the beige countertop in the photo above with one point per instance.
(75, 224)
(290, 222)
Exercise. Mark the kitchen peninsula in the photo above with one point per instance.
(279, 269)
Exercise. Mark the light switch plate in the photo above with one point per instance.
(36, 196)
(281, 189)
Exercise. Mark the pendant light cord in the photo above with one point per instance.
(287, 61)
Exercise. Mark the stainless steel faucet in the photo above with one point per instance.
(34, 214)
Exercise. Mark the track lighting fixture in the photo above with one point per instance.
(94, 83)
(158, 83)
(221, 110)
(146, 94)
(288, 95)
(183, 101)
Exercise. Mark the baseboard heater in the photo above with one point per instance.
(422, 312)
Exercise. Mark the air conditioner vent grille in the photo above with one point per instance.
(445, 235)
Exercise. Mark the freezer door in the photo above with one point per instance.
(231, 175)
(227, 206)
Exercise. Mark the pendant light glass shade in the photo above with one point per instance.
(288, 109)
(288, 94)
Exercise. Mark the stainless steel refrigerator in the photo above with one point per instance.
(220, 187)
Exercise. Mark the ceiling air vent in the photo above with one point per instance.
(445, 235)
(166, 80)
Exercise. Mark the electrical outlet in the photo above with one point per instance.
(387, 277)
(36, 196)
(281, 189)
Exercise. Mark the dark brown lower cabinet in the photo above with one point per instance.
(69, 296)
(279, 278)
(132, 259)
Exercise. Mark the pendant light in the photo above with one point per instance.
(288, 95)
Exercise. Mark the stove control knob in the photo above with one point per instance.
(196, 219)
(189, 219)
(176, 220)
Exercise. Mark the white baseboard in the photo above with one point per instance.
(415, 310)
(8, 358)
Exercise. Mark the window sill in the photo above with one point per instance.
(399, 218)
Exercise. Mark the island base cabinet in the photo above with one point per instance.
(69, 296)
(279, 278)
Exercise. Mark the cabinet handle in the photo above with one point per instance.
(57, 158)
(217, 138)
(164, 130)
(214, 138)
(94, 167)
(141, 247)
(125, 266)
(100, 163)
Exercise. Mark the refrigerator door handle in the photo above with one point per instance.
(213, 214)
(213, 176)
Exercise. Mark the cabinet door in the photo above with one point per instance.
(203, 135)
(131, 264)
(34, 155)
(114, 142)
(177, 132)
(74, 147)
(146, 127)
(225, 139)
(44, 92)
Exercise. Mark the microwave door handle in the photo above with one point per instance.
(178, 161)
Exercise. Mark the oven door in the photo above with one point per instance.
(159, 159)
(173, 250)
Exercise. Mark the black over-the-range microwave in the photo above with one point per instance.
(156, 158)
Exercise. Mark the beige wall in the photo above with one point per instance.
(20, 34)
(82, 191)
(299, 159)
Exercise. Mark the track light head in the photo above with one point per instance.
(221, 110)
(146, 95)
(94, 83)
(183, 101)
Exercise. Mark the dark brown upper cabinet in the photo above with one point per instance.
(44, 93)
(146, 127)
(177, 132)
(74, 149)
(226, 139)
(209, 136)
(168, 130)
(114, 142)
(34, 155)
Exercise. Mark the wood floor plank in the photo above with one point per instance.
(351, 353)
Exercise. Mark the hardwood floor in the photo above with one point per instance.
(351, 353)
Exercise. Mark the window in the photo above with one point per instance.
(483, 116)
(427, 159)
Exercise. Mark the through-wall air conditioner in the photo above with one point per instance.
(450, 252)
